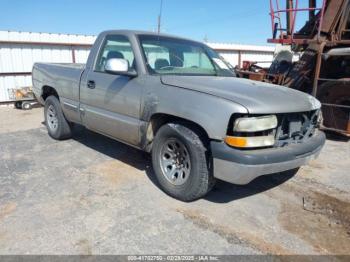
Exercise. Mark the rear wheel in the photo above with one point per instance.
(182, 162)
(57, 125)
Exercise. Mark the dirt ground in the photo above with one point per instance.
(93, 195)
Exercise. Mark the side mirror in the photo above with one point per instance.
(119, 66)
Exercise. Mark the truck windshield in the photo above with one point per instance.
(166, 55)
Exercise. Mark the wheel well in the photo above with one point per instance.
(49, 91)
(159, 119)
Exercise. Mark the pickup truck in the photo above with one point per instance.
(180, 101)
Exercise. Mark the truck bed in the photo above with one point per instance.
(64, 77)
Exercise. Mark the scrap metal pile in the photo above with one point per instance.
(323, 69)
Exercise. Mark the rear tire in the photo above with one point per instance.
(57, 125)
(181, 162)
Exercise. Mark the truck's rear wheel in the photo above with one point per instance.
(181, 162)
(57, 125)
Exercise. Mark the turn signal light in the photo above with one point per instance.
(250, 142)
(236, 141)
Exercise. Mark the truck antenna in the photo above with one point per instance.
(160, 16)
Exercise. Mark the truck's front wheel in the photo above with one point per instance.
(57, 125)
(181, 162)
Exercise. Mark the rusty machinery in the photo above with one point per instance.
(323, 69)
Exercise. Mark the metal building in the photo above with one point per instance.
(236, 54)
(19, 50)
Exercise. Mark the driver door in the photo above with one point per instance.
(109, 103)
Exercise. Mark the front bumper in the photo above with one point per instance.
(242, 166)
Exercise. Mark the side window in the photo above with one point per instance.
(115, 46)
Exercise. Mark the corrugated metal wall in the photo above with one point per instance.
(236, 54)
(19, 50)
(232, 57)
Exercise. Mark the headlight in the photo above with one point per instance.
(255, 124)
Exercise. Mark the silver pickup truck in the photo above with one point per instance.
(177, 99)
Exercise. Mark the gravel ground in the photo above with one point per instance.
(93, 195)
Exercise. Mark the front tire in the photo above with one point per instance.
(181, 162)
(57, 125)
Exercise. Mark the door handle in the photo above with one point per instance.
(91, 84)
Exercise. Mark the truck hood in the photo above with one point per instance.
(257, 97)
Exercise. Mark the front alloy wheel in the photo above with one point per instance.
(175, 162)
(182, 162)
